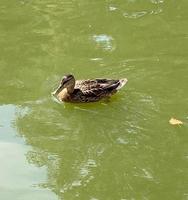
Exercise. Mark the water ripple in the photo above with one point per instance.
(135, 12)
(134, 15)
(104, 41)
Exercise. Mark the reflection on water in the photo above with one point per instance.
(134, 14)
(17, 176)
(104, 41)
(76, 158)
(85, 147)
(134, 9)
(121, 149)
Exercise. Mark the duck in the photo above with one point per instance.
(85, 91)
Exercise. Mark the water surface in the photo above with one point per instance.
(116, 150)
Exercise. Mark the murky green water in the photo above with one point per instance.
(124, 149)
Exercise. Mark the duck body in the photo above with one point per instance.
(82, 91)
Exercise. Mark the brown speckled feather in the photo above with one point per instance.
(97, 86)
(87, 90)
(94, 84)
(93, 90)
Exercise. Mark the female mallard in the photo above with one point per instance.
(73, 91)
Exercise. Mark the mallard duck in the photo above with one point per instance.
(75, 91)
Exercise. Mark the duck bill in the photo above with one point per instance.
(57, 91)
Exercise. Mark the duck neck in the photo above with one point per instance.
(63, 95)
(70, 88)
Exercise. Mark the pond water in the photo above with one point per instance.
(124, 149)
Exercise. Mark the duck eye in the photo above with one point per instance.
(64, 81)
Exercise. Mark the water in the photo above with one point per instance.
(124, 149)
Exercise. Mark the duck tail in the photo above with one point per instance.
(122, 82)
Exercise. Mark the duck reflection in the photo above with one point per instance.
(79, 146)
(69, 142)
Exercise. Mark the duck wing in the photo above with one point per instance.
(97, 87)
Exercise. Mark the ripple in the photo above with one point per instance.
(134, 15)
(104, 41)
(84, 171)
(157, 1)
(15, 83)
(134, 11)
(144, 174)
(122, 141)
(76, 183)
(102, 38)
(112, 8)
(155, 12)
(96, 59)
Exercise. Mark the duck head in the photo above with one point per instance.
(68, 83)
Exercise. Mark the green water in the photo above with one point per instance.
(124, 149)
